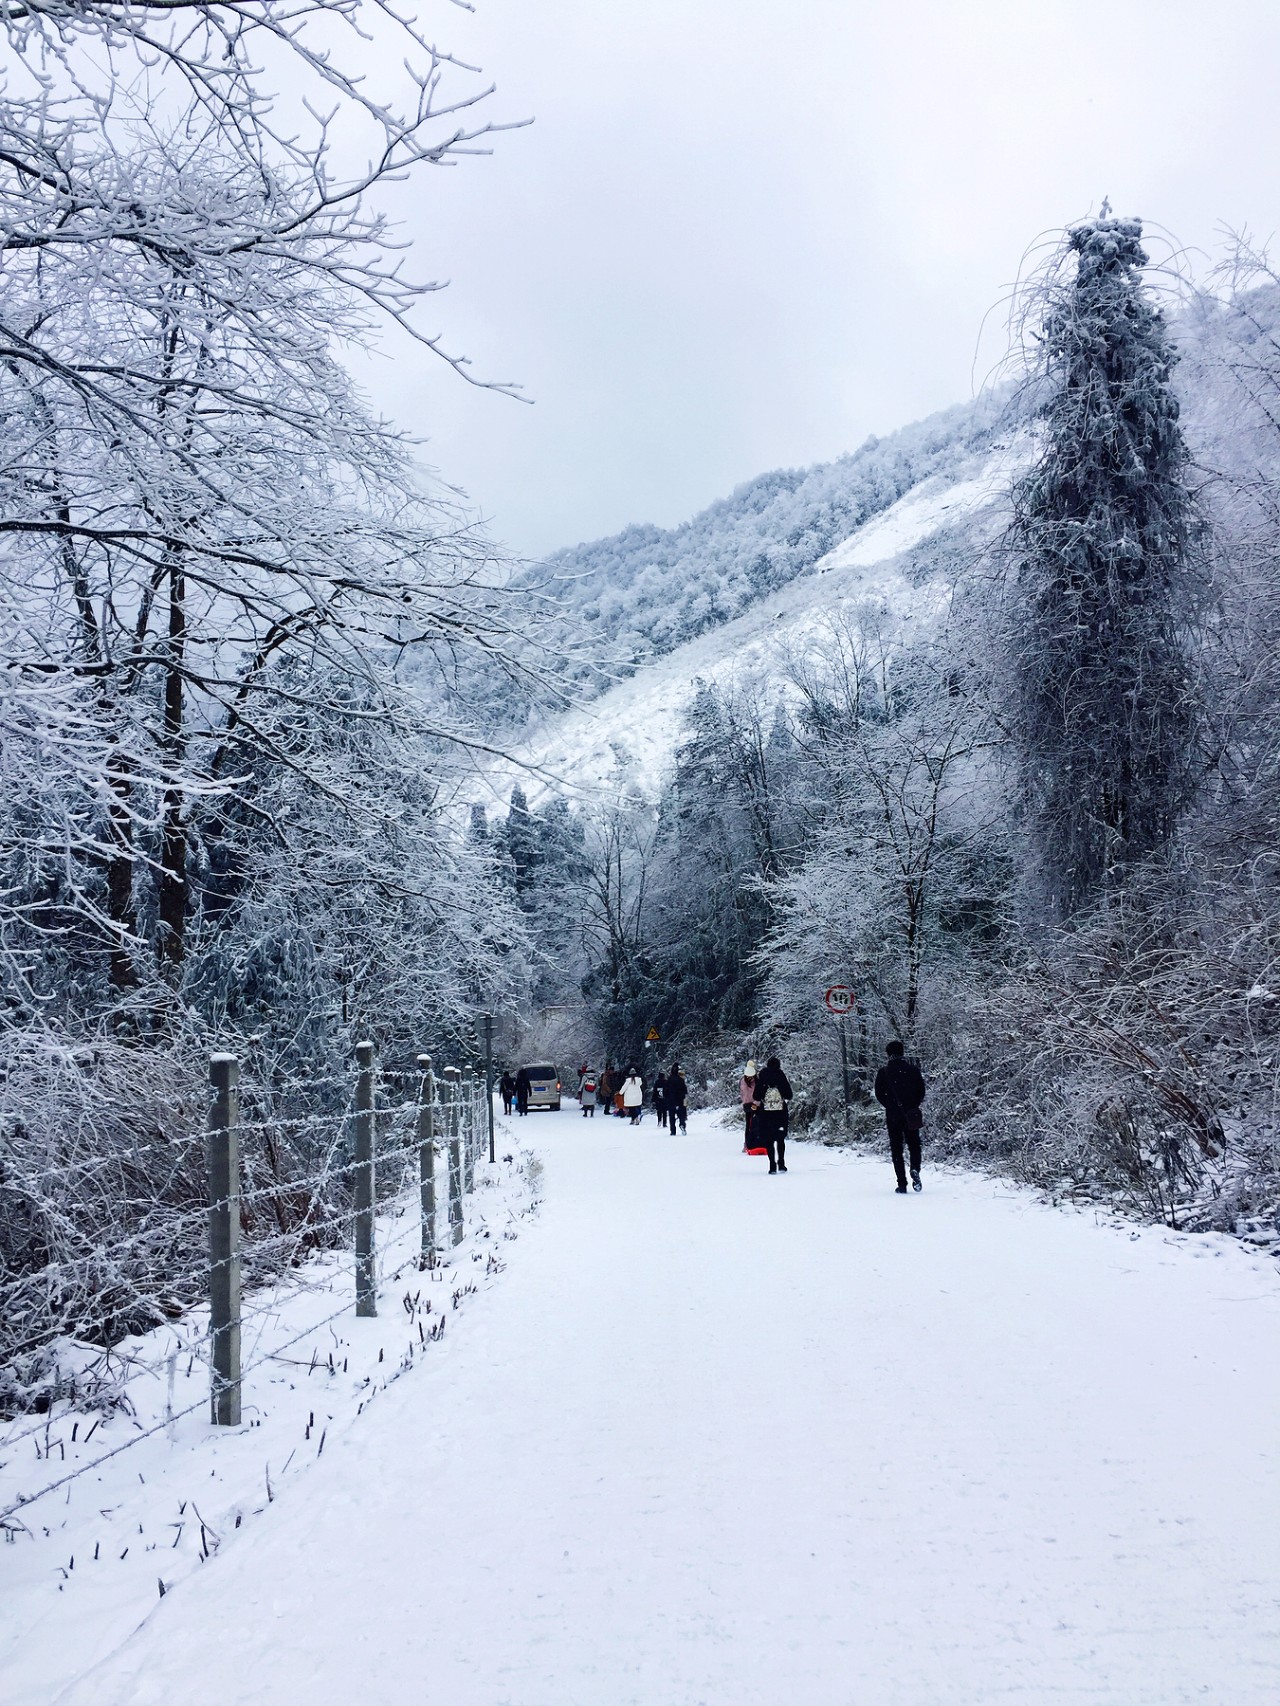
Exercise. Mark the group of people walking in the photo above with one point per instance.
(622, 1093)
(899, 1088)
(766, 1100)
(765, 1094)
(514, 1091)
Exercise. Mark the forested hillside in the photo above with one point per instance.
(648, 589)
(880, 763)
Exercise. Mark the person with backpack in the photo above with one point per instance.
(633, 1095)
(587, 1091)
(769, 1119)
(507, 1090)
(660, 1100)
(900, 1091)
(677, 1099)
(522, 1091)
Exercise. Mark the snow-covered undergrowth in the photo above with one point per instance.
(112, 1510)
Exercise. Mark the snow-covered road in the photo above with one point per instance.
(720, 1439)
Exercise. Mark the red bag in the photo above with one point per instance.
(755, 1152)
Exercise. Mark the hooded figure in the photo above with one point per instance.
(900, 1091)
(587, 1091)
(773, 1092)
(633, 1095)
(660, 1099)
(677, 1099)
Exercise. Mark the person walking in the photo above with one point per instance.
(660, 1100)
(604, 1088)
(587, 1091)
(900, 1091)
(633, 1095)
(522, 1091)
(770, 1116)
(677, 1099)
(507, 1089)
(747, 1092)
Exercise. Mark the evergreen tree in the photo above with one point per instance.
(1105, 543)
(520, 843)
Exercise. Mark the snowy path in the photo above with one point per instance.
(719, 1439)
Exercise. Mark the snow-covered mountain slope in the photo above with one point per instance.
(894, 563)
(648, 589)
(888, 526)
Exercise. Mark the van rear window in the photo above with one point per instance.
(541, 1071)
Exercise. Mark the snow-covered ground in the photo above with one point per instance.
(636, 724)
(135, 1503)
(720, 1439)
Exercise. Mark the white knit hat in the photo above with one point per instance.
(749, 1070)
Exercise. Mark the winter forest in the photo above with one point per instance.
(271, 698)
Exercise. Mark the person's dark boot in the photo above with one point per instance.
(900, 1190)
(782, 1166)
(915, 1179)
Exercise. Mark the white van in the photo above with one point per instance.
(544, 1087)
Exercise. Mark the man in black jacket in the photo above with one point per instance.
(677, 1103)
(900, 1091)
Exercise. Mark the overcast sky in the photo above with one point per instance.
(743, 234)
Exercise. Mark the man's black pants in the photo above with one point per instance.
(898, 1136)
(777, 1147)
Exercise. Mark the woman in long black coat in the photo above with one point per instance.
(769, 1113)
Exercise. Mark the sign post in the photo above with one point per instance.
(488, 1078)
(840, 1003)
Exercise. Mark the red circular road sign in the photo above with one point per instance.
(839, 1000)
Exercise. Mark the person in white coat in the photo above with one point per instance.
(633, 1095)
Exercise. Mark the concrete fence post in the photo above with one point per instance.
(224, 1241)
(453, 1127)
(427, 1160)
(364, 1183)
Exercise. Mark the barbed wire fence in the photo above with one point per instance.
(379, 1152)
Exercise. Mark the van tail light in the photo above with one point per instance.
(557, 1084)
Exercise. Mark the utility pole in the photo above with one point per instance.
(363, 1191)
(488, 1078)
(842, 1027)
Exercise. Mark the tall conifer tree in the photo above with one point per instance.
(1105, 541)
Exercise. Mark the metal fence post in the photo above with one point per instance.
(427, 1160)
(469, 1140)
(452, 1111)
(488, 1084)
(224, 1241)
(363, 1183)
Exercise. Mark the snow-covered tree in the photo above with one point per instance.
(1104, 543)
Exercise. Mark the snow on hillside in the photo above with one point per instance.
(635, 725)
(648, 590)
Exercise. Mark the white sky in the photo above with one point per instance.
(746, 233)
